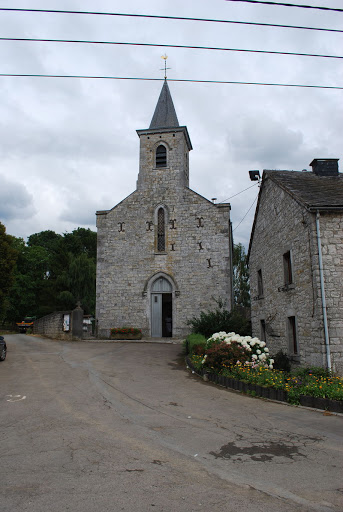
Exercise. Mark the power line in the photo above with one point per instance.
(238, 193)
(179, 18)
(32, 75)
(289, 5)
(191, 47)
(245, 214)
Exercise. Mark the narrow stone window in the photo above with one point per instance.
(259, 284)
(292, 335)
(263, 330)
(161, 238)
(161, 156)
(287, 268)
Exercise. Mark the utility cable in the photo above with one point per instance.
(245, 214)
(179, 18)
(32, 75)
(224, 200)
(238, 193)
(31, 39)
(28, 75)
(288, 5)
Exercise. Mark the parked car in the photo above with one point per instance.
(3, 348)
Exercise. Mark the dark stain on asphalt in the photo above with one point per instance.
(178, 363)
(260, 452)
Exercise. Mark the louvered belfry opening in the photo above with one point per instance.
(161, 239)
(161, 156)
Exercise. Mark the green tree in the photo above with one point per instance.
(30, 281)
(8, 258)
(53, 272)
(241, 287)
(81, 241)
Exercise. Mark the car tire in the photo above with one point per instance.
(3, 354)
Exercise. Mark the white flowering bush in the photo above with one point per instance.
(258, 352)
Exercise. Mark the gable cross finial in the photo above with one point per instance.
(165, 57)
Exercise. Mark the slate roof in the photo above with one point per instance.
(312, 191)
(164, 115)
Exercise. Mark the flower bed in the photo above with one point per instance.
(274, 393)
(125, 333)
(256, 376)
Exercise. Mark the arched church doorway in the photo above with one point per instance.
(161, 309)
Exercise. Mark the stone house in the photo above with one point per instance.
(296, 264)
(165, 251)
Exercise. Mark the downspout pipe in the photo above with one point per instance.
(322, 289)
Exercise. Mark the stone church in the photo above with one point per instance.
(164, 252)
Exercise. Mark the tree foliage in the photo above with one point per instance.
(8, 258)
(241, 287)
(52, 272)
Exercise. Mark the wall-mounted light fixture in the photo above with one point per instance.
(255, 176)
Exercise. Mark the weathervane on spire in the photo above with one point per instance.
(165, 57)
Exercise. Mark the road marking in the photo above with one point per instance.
(16, 398)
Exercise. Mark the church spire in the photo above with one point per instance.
(164, 115)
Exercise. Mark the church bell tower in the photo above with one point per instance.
(164, 148)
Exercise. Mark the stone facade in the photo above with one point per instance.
(286, 298)
(194, 261)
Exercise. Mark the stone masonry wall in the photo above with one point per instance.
(51, 326)
(331, 228)
(128, 259)
(283, 225)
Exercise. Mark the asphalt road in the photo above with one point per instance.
(111, 427)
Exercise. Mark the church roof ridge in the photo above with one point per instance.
(165, 114)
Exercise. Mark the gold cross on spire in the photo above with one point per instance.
(165, 57)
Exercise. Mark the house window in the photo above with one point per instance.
(161, 238)
(292, 335)
(287, 268)
(259, 283)
(161, 156)
(262, 330)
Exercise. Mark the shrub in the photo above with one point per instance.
(257, 349)
(282, 362)
(222, 355)
(220, 320)
(194, 340)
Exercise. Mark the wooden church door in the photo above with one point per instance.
(161, 309)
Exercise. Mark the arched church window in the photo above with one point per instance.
(161, 237)
(161, 156)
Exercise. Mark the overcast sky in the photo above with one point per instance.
(69, 146)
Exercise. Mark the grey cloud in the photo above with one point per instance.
(15, 201)
(265, 141)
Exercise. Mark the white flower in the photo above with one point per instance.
(266, 349)
(262, 357)
(254, 356)
(258, 351)
(256, 340)
(262, 343)
(271, 361)
(271, 366)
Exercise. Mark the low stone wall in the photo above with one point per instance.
(52, 326)
(55, 325)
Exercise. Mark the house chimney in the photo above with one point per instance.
(325, 166)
